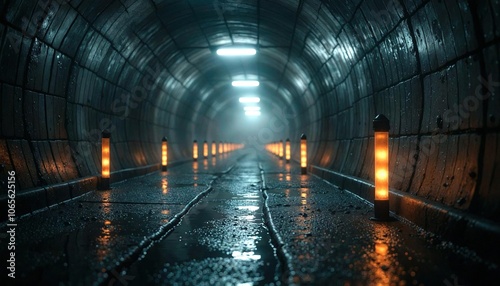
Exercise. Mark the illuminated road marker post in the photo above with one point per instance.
(205, 149)
(287, 150)
(105, 152)
(214, 148)
(280, 149)
(195, 150)
(381, 128)
(164, 154)
(303, 154)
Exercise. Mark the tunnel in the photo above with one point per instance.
(148, 69)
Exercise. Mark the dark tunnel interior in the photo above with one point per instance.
(148, 69)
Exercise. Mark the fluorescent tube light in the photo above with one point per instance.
(236, 52)
(245, 83)
(249, 99)
(252, 113)
(252, 108)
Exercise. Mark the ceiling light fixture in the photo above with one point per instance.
(245, 83)
(251, 108)
(252, 113)
(236, 52)
(249, 99)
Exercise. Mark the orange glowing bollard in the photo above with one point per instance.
(287, 150)
(303, 154)
(164, 154)
(214, 148)
(195, 150)
(280, 149)
(381, 128)
(105, 152)
(205, 149)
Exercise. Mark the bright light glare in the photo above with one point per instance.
(236, 52)
(249, 208)
(246, 256)
(252, 108)
(245, 83)
(249, 99)
(252, 113)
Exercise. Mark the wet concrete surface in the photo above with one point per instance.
(84, 241)
(203, 224)
(330, 239)
(221, 241)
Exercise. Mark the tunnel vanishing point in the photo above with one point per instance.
(146, 69)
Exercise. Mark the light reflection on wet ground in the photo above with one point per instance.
(79, 242)
(222, 240)
(332, 240)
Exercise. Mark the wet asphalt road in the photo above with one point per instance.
(329, 238)
(87, 240)
(209, 223)
(221, 241)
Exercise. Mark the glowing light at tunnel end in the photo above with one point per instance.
(252, 113)
(253, 99)
(251, 108)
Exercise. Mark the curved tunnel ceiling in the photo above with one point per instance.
(148, 68)
(183, 36)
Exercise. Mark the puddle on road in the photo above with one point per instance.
(222, 240)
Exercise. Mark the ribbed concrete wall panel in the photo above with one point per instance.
(338, 65)
(490, 87)
(488, 192)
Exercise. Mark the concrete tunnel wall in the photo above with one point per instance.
(71, 74)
